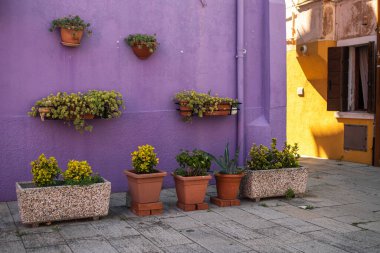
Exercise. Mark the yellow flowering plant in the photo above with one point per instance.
(77, 171)
(144, 159)
(45, 170)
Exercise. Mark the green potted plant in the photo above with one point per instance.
(227, 179)
(203, 104)
(271, 172)
(79, 194)
(143, 45)
(79, 107)
(145, 181)
(191, 179)
(72, 28)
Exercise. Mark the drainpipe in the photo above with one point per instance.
(240, 78)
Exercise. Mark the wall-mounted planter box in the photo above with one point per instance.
(66, 202)
(192, 103)
(77, 108)
(257, 184)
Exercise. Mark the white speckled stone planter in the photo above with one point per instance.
(257, 184)
(54, 203)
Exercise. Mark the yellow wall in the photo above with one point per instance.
(309, 124)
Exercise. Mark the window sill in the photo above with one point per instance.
(354, 115)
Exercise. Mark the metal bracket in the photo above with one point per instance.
(203, 2)
(241, 53)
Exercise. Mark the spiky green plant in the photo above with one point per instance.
(226, 165)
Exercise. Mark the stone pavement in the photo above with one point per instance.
(344, 216)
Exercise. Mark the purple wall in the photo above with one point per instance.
(197, 51)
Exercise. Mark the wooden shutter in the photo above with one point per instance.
(337, 79)
(371, 77)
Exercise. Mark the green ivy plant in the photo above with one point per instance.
(264, 158)
(139, 40)
(199, 103)
(227, 165)
(72, 23)
(76, 107)
(193, 163)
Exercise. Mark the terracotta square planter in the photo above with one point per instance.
(258, 184)
(191, 190)
(145, 188)
(66, 202)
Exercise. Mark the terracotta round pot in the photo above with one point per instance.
(145, 188)
(71, 37)
(228, 185)
(223, 110)
(88, 116)
(191, 190)
(142, 52)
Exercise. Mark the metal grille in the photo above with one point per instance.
(355, 137)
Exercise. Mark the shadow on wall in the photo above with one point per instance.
(314, 66)
(323, 145)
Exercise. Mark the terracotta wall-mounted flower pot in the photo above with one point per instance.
(185, 110)
(70, 37)
(228, 185)
(142, 51)
(145, 188)
(191, 190)
(223, 110)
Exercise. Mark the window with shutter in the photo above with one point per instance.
(337, 78)
(351, 78)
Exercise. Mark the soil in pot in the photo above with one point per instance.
(71, 37)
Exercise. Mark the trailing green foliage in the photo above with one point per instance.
(200, 103)
(75, 107)
(144, 159)
(264, 158)
(45, 171)
(226, 165)
(72, 23)
(193, 163)
(139, 40)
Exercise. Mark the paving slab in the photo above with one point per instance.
(374, 226)
(342, 241)
(334, 225)
(270, 245)
(12, 247)
(78, 231)
(284, 235)
(91, 245)
(42, 239)
(134, 244)
(51, 249)
(163, 236)
(317, 247)
(264, 212)
(114, 228)
(235, 230)
(214, 241)
(297, 225)
(186, 248)
(182, 222)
